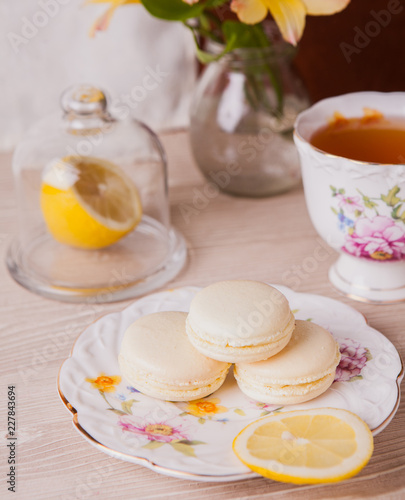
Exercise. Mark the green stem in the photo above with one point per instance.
(251, 98)
(275, 82)
(258, 98)
(203, 29)
(250, 37)
(262, 40)
(203, 56)
(213, 18)
(105, 399)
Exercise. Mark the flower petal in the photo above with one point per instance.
(249, 11)
(103, 21)
(369, 227)
(214, 401)
(114, 3)
(394, 233)
(324, 7)
(289, 16)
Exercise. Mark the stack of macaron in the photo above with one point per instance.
(177, 356)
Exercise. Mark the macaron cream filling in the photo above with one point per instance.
(131, 373)
(232, 340)
(283, 390)
(303, 370)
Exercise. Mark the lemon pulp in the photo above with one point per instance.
(306, 446)
(88, 202)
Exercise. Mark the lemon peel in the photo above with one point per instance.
(306, 446)
(87, 202)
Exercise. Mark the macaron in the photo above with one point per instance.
(157, 359)
(239, 321)
(303, 370)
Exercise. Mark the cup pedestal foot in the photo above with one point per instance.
(369, 281)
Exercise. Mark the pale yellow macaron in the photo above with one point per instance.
(239, 321)
(157, 358)
(303, 370)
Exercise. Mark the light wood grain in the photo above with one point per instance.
(267, 239)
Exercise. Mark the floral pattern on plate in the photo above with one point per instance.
(354, 357)
(193, 440)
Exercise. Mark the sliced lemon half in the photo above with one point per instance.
(306, 446)
(88, 202)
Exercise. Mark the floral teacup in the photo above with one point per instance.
(357, 207)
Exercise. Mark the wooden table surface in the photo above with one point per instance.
(264, 239)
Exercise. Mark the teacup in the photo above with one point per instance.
(357, 207)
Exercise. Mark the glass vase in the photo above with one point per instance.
(242, 121)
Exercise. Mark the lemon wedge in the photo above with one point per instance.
(306, 446)
(88, 202)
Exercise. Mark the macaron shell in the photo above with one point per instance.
(285, 395)
(157, 358)
(311, 354)
(239, 313)
(157, 344)
(248, 354)
(168, 392)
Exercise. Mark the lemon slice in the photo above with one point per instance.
(321, 445)
(88, 202)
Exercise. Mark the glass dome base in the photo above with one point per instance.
(141, 262)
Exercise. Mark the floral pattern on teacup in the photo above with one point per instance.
(374, 227)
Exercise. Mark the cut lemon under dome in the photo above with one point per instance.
(306, 446)
(88, 202)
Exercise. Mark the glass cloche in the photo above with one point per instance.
(92, 205)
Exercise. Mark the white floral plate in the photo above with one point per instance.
(194, 440)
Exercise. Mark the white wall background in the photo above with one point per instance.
(43, 53)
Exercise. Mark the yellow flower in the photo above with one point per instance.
(103, 21)
(105, 383)
(288, 14)
(204, 407)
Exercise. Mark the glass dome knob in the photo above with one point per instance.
(84, 100)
